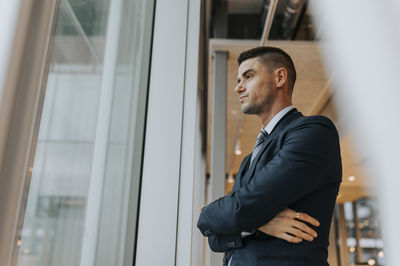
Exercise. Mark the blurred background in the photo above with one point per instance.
(119, 122)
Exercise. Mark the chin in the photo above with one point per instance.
(247, 110)
(244, 109)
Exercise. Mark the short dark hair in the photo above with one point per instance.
(272, 58)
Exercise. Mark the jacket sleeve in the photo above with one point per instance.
(309, 158)
(222, 243)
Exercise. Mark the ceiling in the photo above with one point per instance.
(244, 6)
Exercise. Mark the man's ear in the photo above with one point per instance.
(280, 77)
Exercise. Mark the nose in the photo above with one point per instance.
(239, 88)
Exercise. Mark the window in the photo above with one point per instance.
(82, 200)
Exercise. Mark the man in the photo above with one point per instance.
(291, 177)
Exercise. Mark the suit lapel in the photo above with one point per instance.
(292, 114)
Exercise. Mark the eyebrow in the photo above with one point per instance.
(244, 73)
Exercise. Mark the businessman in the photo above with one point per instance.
(280, 208)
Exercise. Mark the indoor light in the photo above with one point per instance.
(238, 151)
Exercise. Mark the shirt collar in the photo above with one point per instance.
(271, 125)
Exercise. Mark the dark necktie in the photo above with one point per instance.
(259, 141)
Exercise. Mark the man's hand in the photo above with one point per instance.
(287, 226)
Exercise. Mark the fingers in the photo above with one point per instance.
(306, 218)
(300, 234)
(305, 228)
(291, 226)
(290, 238)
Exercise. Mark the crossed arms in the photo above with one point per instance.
(301, 166)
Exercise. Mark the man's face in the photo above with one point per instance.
(256, 87)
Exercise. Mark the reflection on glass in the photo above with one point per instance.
(54, 218)
(58, 202)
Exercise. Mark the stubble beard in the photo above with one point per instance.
(251, 108)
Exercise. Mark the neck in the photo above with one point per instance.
(275, 108)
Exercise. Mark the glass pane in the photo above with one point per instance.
(87, 148)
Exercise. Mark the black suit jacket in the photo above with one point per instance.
(298, 167)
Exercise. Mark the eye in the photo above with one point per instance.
(248, 76)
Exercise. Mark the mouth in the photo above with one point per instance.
(241, 98)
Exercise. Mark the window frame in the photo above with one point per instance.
(22, 100)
